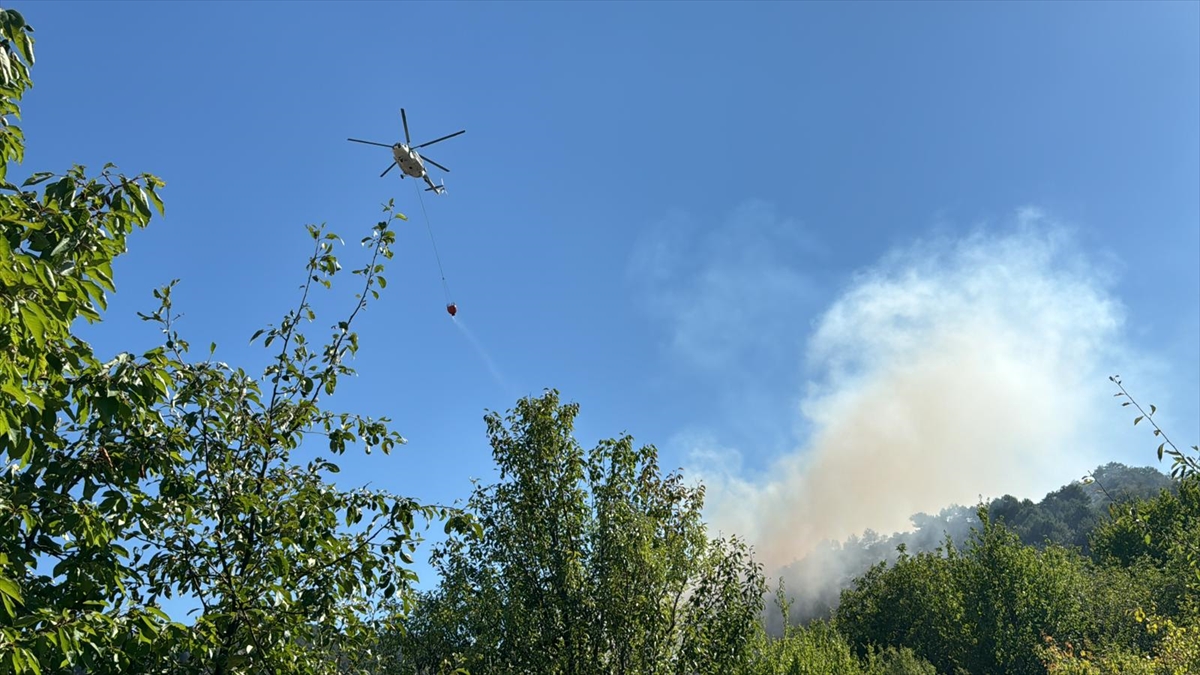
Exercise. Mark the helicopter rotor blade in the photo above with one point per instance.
(404, 118)
(439, 140)
(385, 171)
(423, 157)
(382, 145)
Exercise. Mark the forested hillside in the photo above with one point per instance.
(1066, 517)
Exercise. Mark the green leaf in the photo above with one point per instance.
(1138, 419)
(25, 45)
(148, 623)
(14, 19)
(156, 200)
(19, 395)
(5, 66)
(60, 247)
(35, 324)
(10, 589)
(37, 178)
(1160, 450)
(63, 191)
(138, 196)
(102, 273)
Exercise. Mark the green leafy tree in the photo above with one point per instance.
(1114, 598)
(1159, 536)
(914, 603)
(589, 562)
(63, 569)
(722, 612)
(1013, 595)
(159, 475)
(984, 609)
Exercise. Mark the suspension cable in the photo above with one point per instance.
(429, 228)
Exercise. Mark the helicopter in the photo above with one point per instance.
(410, 162)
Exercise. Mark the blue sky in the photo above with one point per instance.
(724, 228)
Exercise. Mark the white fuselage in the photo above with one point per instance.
(408, 160)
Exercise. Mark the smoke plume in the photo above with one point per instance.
(953, 369)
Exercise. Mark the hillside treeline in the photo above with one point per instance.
(1066, 517)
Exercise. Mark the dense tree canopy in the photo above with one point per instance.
(590, 562)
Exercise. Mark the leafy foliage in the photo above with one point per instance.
(140, 478)
(915, 603)
(988, 607)
(1178, 654)
(590, 562)
(1182, 464)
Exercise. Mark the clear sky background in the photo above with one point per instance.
(751, 234)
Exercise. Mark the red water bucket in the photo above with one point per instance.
(452, 309)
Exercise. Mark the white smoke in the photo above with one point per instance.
(951, 370)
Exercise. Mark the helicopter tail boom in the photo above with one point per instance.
(436, 188)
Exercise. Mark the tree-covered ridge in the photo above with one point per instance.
(998, 605)
(1065, 517)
